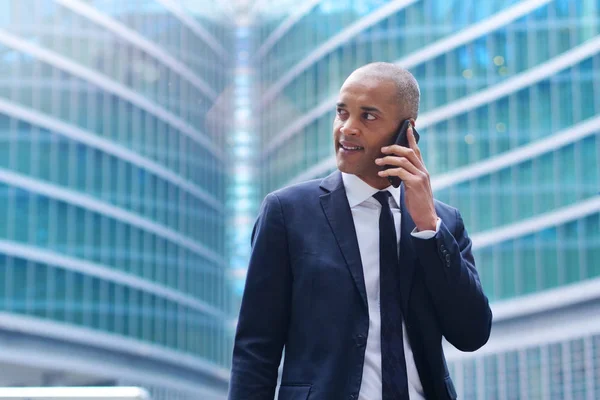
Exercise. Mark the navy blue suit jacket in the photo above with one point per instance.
(305, 291)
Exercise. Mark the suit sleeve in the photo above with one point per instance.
(462, 309)
(264, 314)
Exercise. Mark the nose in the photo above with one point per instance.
(349, 128)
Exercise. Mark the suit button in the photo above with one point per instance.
(443, 248)
(360, 340)
(447, 258)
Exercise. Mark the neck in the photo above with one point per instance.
(376, 182)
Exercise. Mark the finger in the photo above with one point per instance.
(412, 142)
(399, 172)
(398, 162)
(404, 152)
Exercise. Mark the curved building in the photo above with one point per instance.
(112, 185)
(510, 129)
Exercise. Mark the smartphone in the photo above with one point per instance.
(401, 138)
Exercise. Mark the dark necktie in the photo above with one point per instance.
(393, 365)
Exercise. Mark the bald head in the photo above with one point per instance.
(408, 93)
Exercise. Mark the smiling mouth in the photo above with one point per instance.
(351, 148)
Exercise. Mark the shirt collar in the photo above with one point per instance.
(358, 190)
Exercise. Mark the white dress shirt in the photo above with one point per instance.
(365, 213)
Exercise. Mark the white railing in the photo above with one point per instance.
(70, 393)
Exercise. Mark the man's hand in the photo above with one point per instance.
(409, 167)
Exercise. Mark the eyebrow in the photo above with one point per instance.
(364, 108)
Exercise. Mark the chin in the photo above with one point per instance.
(344, 167)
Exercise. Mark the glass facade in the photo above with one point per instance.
(484, 61)
(568, 369)
(137, 138)
(510, 133)
(112, 173)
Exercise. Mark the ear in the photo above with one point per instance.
(413, 122)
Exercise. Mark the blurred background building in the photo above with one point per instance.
(510, 129)
(112, 186)
(138, 138)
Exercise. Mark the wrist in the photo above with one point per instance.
(428, 225)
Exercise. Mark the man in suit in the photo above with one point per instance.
(358, 280)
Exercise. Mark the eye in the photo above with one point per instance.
(369, 117)
(341, 112)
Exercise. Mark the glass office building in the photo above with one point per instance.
(112, 185)
(510, 130)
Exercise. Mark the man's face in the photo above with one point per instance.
(368, 115)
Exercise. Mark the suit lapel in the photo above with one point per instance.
(407, 252)
(337, 210)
